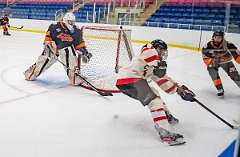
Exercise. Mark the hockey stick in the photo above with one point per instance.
(224, 121)
(102, 93)
(16, 27)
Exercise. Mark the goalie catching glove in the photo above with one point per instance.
(185, 93)
(86, 56)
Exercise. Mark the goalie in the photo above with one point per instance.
(133, 81)
(63, 40)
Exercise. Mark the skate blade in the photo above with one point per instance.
(177, 143)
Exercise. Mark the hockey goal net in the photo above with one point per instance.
(111, 49)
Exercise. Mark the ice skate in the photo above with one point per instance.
(172, 139)
(6, 33)
(220, 92)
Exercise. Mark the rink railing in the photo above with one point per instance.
(175, 25)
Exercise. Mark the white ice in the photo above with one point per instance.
(50, 118)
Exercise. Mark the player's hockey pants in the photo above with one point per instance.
(5, 28)
(229, 68)
(141, 91)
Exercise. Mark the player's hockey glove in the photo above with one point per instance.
(208, 53)
(86, 56)
(237, 59)
(185, 93)
(161, 69)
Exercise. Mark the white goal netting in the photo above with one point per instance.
(111, 49)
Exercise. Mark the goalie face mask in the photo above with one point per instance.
(69, 20)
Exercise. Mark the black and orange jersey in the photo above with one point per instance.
(62, 37)
(4, 20)
(224, 52)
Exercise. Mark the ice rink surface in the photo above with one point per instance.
(50, 118)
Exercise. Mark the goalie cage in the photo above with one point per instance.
(111, 50)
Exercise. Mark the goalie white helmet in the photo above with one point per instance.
(69, 20)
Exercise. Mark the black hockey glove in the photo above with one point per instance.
(208, 53)
(161, 69)
(185, 93)
(86, 56)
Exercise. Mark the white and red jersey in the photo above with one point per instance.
(142, 67)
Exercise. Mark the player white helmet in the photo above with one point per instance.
(69, 20)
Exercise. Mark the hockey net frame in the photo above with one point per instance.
(122, 53)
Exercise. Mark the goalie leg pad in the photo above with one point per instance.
(70, 58)
(44, 61)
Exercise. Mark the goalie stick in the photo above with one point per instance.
(102, 93)
(224, 121)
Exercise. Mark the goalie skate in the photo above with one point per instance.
(172, 139)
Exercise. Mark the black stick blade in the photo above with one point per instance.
(105, 93)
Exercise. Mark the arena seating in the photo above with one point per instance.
(46, 9)
(202, 14)
(185, 14)
(235, 15)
